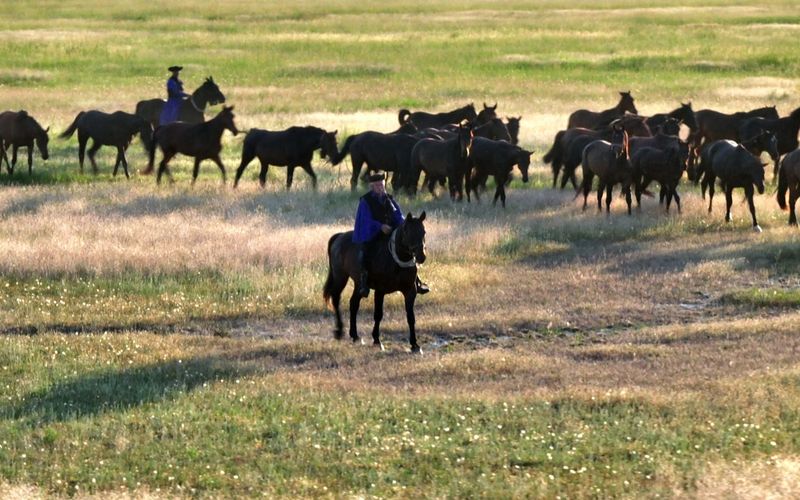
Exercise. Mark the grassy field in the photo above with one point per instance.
(170, 342)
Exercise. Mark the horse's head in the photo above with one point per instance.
(619, 135)
(687, 115)
(327, 145)
(683, 155)
(468, 112)
(412, 235)
(671, 126)
(41, 141)
(226, 116)
(758, 176)
(499, 130)
(512, 124)
(210, 93)
(769, 143)
(487, 113)
(523, 162)
(626, 102)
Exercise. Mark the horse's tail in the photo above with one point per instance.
(403, 115)
(71, 129)
(783, 186)
(555, 151)
(345, 150)
(327, 290)
(248, 149)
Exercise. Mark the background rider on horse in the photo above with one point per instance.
(175, 97)
(378, 214)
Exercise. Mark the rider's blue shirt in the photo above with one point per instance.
(367, 225)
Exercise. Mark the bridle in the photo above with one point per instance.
(393, 251)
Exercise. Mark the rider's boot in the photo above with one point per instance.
(422, 288)
(363, 288)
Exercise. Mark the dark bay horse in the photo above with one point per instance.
(664, 166)
(115, 129)
(735, 167)
(440, 160)
(714, 126)
(684, 114)
(785, 130)
(496, 158)
(388, 152)
(617, 132)
(291, 148)
(512, 124)
(192, 109)
(493, 129)
(422, 119)
(609, 162)
(393, 268)
(486, 114)
(201, 140)
(593, 119)
(789, 180)
(19, 129)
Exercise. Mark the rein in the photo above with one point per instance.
(393, 251)
(194, 105)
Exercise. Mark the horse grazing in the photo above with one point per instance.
(664, 166)
(609, 162)
(388, 152)
(789, 180)
(592, 119)
(19, 129)
(393, 268)
(291, 148)
(785, 130)
(192, 109)
(512, 124)
(496, 158)
(202, 141)
(735, 167)
(440, 160)
(421, 119)
(114, 129)
(683, 114)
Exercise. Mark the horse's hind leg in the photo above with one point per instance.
(262, 176)
(355, 302)
(600, 190)
(162, 167)
(93, 151)
(728, 202)
(124, 162)
(792, 200)
(196, 170)
(82, 140)
(748, 191)
(218, 161)
(378, 316)
(14, 149)
(117, 162)
(609, 189)
(30, 158)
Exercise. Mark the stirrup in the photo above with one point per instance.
(422, 288)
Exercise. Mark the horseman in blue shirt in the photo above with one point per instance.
(175, 97)
(378, 214)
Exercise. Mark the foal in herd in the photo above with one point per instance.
(202, 141)
(393, 268)
(291, 148)
(610, 163)
(115, 129)
(440, 160)
(496, 158)
(19, 129)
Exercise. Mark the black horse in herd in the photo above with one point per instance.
(19, 129)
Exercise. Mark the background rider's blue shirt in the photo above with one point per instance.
(367, 228)
(172, 108)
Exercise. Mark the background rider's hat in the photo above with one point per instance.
(377, 177)
(175, 68)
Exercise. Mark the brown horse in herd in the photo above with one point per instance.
(19, 129)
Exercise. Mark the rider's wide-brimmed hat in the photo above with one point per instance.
(175, 68)
(377, 177)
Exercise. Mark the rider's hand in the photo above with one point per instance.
(386, 229)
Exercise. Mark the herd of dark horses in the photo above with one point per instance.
(460, 149)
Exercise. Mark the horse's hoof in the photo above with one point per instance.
(416, 350)
(338, 334)
(378, 345)
(757, 228)
(357, 340)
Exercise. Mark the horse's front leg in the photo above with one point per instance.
(124, 162)
(196, 169)
(4, 157)
(748, 191)
(792, 200)
(262, 176)
(117, 162)
(378, 316)
(355, 302)
(410, 296)
(14, 149)
(289, 176)
(310, 172)
(708, 181)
